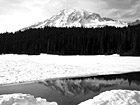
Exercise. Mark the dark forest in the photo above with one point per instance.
(73, 41)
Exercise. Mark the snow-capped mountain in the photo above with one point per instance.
(78, 18)
(115, 97)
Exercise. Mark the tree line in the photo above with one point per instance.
(73, 41)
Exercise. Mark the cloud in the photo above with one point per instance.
(121, 4)
(132, 13)
(48, 8)
(122, 9)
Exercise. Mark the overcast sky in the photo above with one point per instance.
(16, 14)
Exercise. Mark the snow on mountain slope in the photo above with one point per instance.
(77, 18)
(115, 97)
(23, 99)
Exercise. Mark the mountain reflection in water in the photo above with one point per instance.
(88, 85)
(72, 91)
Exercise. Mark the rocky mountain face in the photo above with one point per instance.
(78, 18)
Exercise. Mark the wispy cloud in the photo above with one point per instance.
(122, 9)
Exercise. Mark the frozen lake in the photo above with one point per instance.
(67, 80)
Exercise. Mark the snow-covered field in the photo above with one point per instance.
(20, 68)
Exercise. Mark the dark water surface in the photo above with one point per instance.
(72, 91)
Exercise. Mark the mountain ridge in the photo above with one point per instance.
(134, 23)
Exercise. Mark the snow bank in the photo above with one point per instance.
(23, 99)
(115, 97)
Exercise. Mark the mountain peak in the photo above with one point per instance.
(83, 14)
(78, 18)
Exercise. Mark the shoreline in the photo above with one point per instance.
(68, 77)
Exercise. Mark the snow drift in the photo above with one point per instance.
(23, 99)
(115, 97)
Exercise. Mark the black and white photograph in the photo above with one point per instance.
(69, 52)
